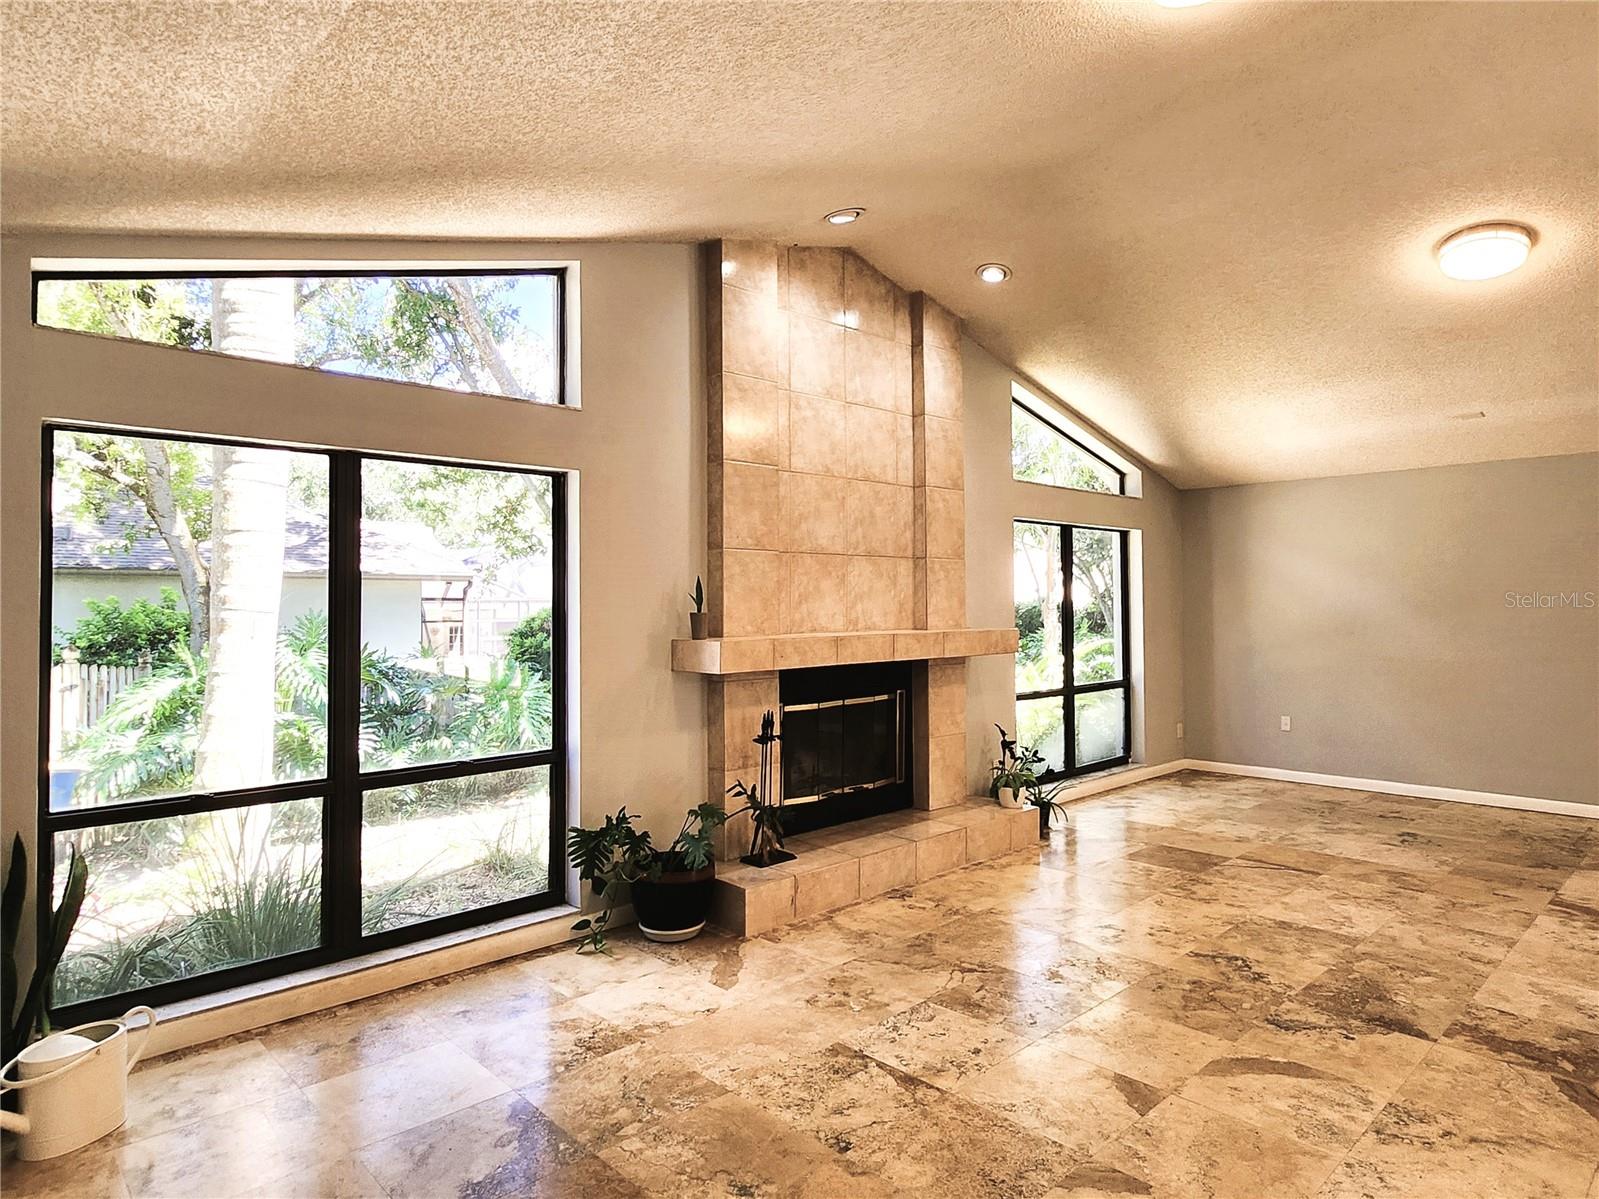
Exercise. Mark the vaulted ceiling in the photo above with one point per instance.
(1221, 219)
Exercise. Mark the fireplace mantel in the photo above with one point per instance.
(722, 656)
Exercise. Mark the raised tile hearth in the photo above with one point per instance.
(839, 866)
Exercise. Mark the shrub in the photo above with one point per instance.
(1030, 631)
(112, 635)
(529, 643)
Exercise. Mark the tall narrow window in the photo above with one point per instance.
(299, 704)
(497, 332)
(1071, 661)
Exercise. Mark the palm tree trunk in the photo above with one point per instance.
(253, 318)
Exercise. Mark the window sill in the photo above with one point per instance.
(239, 1009)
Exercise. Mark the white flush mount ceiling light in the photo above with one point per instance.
(1484, 251)
(844, 216)
(993, 272)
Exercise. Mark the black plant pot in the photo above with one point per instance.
(675, 906)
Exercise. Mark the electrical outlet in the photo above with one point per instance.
(1287, 725)
(1179, 730)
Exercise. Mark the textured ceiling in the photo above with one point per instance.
(1220, 218)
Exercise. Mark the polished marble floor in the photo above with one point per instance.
(1209, 986)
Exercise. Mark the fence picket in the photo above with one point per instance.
(80, 695)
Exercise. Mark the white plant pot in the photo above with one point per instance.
(1008, 798)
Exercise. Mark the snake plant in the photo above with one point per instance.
(19, 1024)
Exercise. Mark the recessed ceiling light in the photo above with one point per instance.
(845, 216)
(1484, 251)
(993, 272)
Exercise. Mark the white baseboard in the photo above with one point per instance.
(1121, 777)
(1491, 799)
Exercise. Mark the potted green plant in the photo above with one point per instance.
(1011, 776)
(1051, 812)
(671, 887)
(1016, 781)
(696, 618)
(20, 1023)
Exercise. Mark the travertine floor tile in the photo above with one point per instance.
(544, 1045)
(1072, 1102)
(936, 1044)
(497, 1149)
(1464, 1125)
(1181, 1149)
(729, 1146)
(915, 1137)
(1122, 1039)
(623, 1093)
(1270, 951)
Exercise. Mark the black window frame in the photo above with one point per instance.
(558, 273)
(343, 786)
(1070, 688)
(1121, 475)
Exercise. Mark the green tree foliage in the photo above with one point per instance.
(1030, 628)
(112, 635)
(1040, 454)
(145, 742)
(529, 643)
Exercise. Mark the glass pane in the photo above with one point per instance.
(1041, 725)
(186, 895)
(188, 596)
(496, 334)
(457, 586)
(1101, 726)
(1038, 581)
(1097, 634)
(1041, 454)
(431, 849)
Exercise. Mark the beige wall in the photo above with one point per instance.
(1371, 609)
(637, 447)
(993, 501)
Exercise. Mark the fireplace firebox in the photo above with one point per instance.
(845, 748)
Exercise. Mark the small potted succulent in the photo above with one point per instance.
(671, 887)
(696, 618)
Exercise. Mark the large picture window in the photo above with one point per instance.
(297, 704)
(498, 332)
(1072, 699)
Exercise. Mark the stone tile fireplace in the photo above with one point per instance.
(836, 521)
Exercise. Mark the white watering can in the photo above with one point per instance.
(74, 1085)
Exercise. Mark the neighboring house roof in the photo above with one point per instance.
(389, 548)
